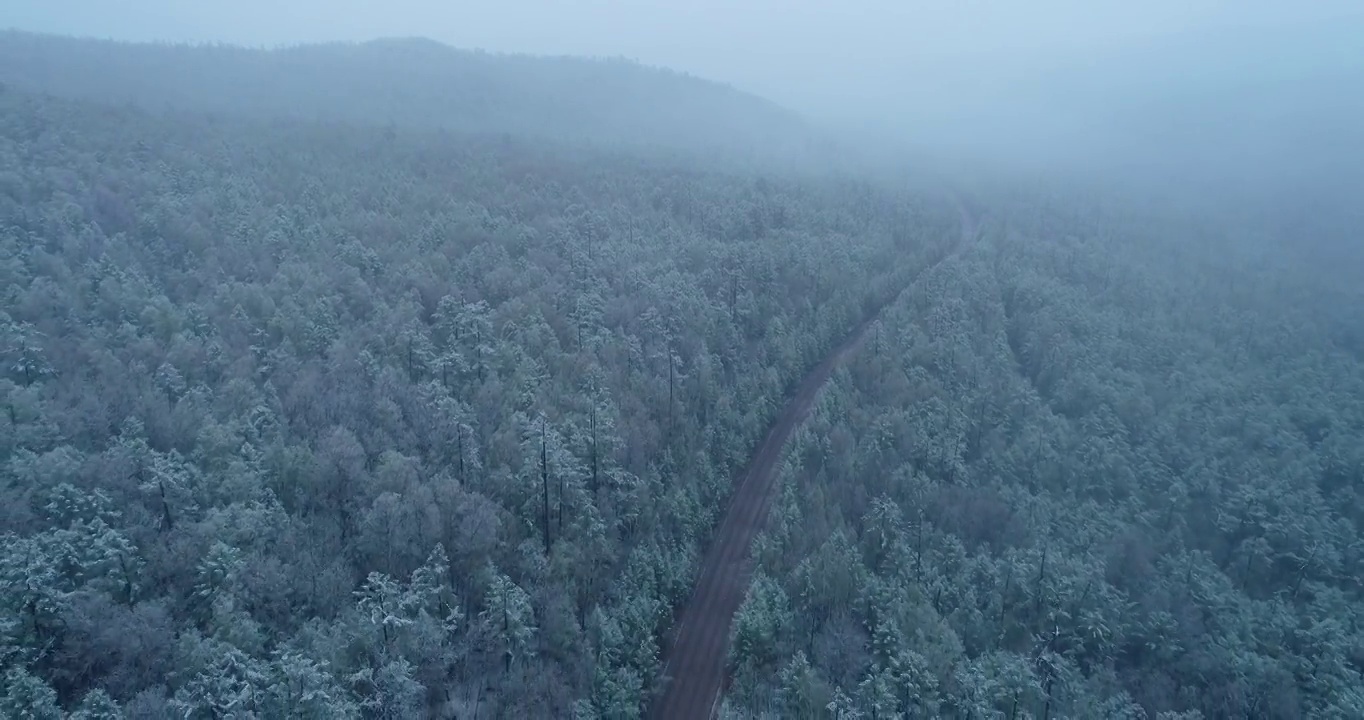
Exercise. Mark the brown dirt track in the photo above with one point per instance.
(694, 662)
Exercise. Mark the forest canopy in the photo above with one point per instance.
(336, 421)
(390, 380)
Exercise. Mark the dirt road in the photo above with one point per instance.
(694, 662)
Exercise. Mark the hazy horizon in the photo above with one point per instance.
(833, 62)
(1243, 89)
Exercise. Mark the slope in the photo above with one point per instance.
(694, 668)
(1104, 466)
(425, 423)
(416, 83)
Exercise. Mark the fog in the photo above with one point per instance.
(589, 358)
(1107, 86)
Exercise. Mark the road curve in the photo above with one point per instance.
(694, 662)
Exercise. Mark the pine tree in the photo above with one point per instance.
(97, 705)
(26, 697)
(508, 614)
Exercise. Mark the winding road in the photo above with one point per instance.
(694, 661)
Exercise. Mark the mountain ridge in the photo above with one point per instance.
(420, 83)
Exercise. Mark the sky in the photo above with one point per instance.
(828, 57)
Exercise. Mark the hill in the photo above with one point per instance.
(301, 418)
(393, 380)
(1103, 463)
(418, 84)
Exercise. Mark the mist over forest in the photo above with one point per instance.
(590, 360)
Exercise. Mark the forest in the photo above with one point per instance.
(421, 84)
(1096, 465)
(341, 422)
(316, 407)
